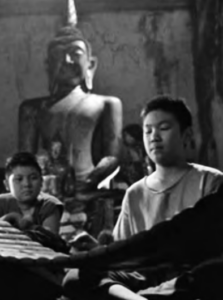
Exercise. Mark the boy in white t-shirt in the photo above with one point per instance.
(174, 185)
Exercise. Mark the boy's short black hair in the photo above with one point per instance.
(175, 106)
(24, 159)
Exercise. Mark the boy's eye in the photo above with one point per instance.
(34, 177)
(165, 127)
(18, 179)
(147, 130)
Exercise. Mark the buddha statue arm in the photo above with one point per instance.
(28, 126)
(107, 141)
(112, 127)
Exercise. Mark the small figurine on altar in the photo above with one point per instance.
(58, 176)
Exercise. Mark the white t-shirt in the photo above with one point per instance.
(142, 207)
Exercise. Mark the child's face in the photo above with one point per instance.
(163, 139)
(24, 183)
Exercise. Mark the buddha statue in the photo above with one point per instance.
(87, 127)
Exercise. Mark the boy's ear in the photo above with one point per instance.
(6, 184)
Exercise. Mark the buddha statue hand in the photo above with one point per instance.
(103, 169)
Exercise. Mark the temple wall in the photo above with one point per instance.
(140, 54)
(23, 42)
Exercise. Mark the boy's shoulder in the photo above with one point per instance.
(138, 185)
(49, 198)
(205, 169)
(48, 203)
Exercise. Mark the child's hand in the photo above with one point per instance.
(83, 242)
(26, 222)
(13, 218)
(18, 221)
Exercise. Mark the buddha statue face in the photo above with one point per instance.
(70, 63)
(56, 150)
(43, 161)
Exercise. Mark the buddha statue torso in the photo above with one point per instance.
(74, 119)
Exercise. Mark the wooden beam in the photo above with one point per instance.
(58, 7)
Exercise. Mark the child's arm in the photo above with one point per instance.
(13, 218)
(52, 222)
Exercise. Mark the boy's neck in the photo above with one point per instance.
(24, 206)
(162, 172)
(166, 176)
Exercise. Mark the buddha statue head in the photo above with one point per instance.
(69, 58)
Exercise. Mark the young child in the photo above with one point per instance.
(25, 205)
